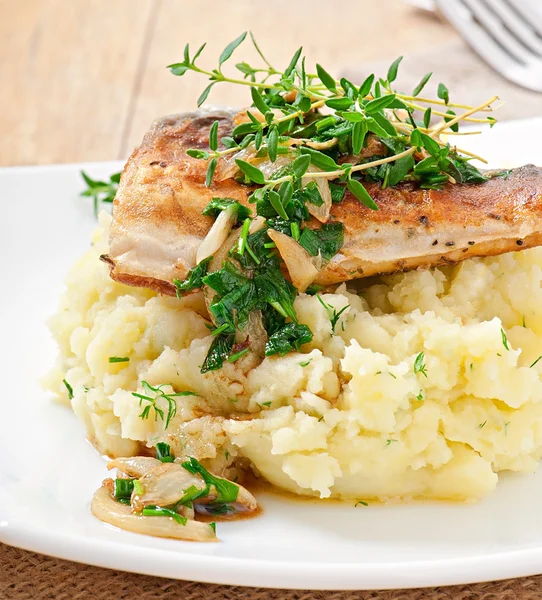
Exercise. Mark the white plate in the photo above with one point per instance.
(48, 471)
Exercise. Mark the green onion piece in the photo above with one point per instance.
(238, 355)
(163, 452)
(158, 511)
(123, 489)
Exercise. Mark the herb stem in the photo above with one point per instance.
(438, 102)
(464, 117)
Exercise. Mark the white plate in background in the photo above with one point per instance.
(48, 472)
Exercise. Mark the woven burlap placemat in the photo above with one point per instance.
(30, 576)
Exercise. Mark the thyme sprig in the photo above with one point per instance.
(285, 118)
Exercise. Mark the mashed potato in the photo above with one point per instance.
(361, 413)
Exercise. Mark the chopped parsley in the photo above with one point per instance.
(194, 278)
(217, 205)
(362, 502)
(306, 363)
(536, 362)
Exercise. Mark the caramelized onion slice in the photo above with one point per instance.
(165, 486)
(134, 466)
(297, 260)
(105, 508)
(218, 233)
(319, 212)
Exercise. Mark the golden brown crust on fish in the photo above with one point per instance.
(158, 226)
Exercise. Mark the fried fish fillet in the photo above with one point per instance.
(158, 226)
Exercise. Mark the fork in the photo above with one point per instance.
(507, 34)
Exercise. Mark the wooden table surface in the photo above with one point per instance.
(81, 80)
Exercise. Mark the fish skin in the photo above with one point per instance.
(157, 223)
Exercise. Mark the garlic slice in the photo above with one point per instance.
(218, 233)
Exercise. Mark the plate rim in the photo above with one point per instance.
(299, 574)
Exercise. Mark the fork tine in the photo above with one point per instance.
(461, 18)
(497, 56)
(531, 12)
(491, 23)
(514, 20)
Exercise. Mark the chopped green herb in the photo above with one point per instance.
(482, 425)
(138, 487)
(163, 452)
(193, 279)
(389, 442)
(217, 205)
(118, 359)
(69, 388)
(362, 502)
(504, 339)
(325, 241)
(419, 364)
(101, 191)
(536, 362)
(226, 491)
(306, 363)
(123, 489)
(159, 394)
(267, 404)
(159, 511)
(419, 397)
(332, 312)
(237, 355)
(212, 525)
(289, 337)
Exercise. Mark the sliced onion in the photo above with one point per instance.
(298, 261)
(165, 485)
(228, 168)
(135, 466)
(105, 508)
(254, 332)
(218, 233)
(319, 212)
